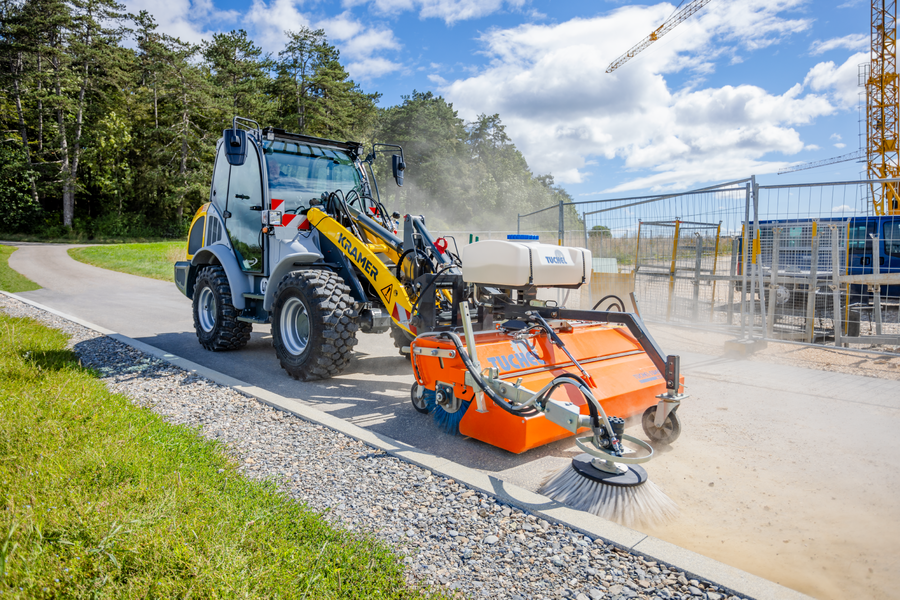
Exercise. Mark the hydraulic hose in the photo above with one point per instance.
(494, 396)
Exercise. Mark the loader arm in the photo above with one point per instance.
(390, 291)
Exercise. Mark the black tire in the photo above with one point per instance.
(314, 324)
(215, 317)
(402, 338)
(667, 434)
(418, 403)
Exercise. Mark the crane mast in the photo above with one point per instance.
(883, 108)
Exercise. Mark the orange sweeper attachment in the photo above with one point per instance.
(529, 372)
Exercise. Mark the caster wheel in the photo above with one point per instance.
(668, 433)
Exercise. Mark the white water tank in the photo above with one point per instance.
(522, 260)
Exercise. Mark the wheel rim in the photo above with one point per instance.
(294, 326)
(659, 434)
(206, 309)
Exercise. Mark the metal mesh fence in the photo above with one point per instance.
(770, 261)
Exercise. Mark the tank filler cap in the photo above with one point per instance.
(522, 237)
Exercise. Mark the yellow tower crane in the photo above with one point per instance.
(679, 16)
(883, 108)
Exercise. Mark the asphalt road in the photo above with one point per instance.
(786, 472)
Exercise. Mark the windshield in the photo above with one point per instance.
(299, 173)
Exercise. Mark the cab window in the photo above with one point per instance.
(892, 237)
(298, 173)
(219, 191)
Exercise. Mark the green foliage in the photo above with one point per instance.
(459, 174)
(118, 138)
(102, 499)
(12, 281)
(155, 260)
(601, 231)
(19, 213)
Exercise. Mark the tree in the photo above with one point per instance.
(239, 74)
(601, 231)
(296, 72)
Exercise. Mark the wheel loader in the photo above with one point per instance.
(295, 235)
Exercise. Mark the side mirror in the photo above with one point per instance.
(235, 146)
(399, 167)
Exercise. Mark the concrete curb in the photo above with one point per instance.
(728, 578)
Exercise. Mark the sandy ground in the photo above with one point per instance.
(803, 492)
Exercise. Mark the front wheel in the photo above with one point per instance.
(215, 318)
(314, 324)
(668, 433)
(402, 338)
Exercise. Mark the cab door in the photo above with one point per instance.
(243, 211)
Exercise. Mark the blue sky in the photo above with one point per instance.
(743, 87)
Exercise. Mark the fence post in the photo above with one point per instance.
(712, 301)
(518, 224)
(773, 283)
(672, 271)
(876, 271)
(698, 261)
(735, 248)
(812, 286)
(756, 251)
(836, 286)
(745, 256)
(562, 223)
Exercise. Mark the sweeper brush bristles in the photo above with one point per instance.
(645, 503)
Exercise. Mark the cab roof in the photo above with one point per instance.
(354, 149)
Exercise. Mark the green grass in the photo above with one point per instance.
(101, 499)
(153, 260)
(11, 281)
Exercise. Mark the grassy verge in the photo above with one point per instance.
(147, 260)
(11, 281)
(99, 498)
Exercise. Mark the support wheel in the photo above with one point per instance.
(668, 433)
(402, 338)
(314, 324)
(215, 318)
(418, 403)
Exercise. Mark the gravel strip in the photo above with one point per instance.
(449, 535)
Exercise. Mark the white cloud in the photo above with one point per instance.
(840, 145)
(854, 41)
(836, 137)
(360, 43)
(843, 208)
(840, 82)
(187, 20)
(560, 107)
(269, 21)
(450, 11)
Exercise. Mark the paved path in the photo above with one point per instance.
(786, 472)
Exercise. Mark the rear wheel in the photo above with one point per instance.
(314, 324)
(215, 317)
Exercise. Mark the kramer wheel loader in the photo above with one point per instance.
(295, 235)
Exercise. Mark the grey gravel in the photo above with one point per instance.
(449, 536)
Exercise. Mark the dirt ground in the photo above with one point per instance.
(796, 485)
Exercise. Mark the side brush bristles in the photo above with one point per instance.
(643, 504)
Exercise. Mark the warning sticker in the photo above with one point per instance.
(386, 291)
